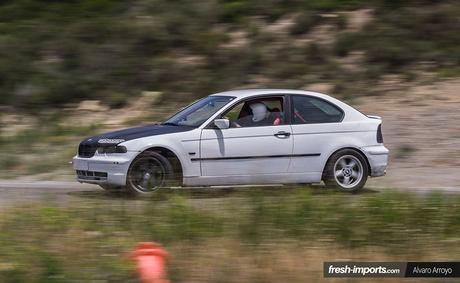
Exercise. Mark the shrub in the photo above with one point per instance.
(304, 22)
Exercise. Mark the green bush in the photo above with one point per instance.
(345, 43)
(410, 34)
(304, 22)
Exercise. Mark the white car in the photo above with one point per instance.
(256, 136)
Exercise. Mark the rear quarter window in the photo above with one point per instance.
(312, 110)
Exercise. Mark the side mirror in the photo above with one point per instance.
(222, 123)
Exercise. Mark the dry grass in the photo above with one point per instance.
(254, 236)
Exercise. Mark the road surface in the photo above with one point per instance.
(14, 192)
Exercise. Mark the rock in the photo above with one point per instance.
(358, 19)
(92, 105)
(320, 87)
(151, 95)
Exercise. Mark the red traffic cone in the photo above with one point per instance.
(150, 259)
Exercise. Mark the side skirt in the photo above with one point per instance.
(284, 178)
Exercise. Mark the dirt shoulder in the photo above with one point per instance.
(421, 130)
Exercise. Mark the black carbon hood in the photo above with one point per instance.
(120, 136)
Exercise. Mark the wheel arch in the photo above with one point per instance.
(172, 157)
(359, 151)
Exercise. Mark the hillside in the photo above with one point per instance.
(56, 52)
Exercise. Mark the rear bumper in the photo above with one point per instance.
(103, 169)
(378, 159)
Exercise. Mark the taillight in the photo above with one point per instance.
(379, 134)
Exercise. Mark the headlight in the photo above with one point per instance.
(111, 149)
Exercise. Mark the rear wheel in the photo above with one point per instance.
(149, 172)
(347, 170)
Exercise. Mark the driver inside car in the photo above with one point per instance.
(261, 116)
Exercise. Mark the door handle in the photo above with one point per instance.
(282, 134)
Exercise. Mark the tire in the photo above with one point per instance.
(346, 170)
(149, 172)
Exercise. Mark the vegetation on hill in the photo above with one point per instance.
(54, 52)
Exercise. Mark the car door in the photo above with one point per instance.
(316, 124)
(248, 147)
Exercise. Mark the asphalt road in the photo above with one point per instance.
(21, 193)
(14, 193)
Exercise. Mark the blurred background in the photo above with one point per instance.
(70, 69)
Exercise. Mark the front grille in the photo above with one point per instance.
(87, 150)
(91, 175)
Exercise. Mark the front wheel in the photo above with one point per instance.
(346, 170)
(149, 172)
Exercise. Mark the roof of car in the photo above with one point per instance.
(241, 93)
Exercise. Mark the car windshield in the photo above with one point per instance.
(197, 113)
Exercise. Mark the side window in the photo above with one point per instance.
(268, 111)
(312, 110)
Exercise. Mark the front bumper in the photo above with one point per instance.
(378, 159)
(109, 169)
